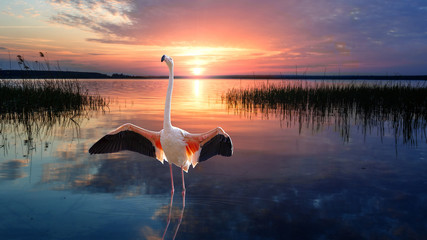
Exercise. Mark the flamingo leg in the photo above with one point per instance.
(180, 219)
(173, 189)
(183, 205)
(169, 217)
(170, 204)
(183, 183)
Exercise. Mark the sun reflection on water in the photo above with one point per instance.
(196, 88)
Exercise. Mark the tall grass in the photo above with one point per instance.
(33, 109)
(56, 95)
(46, 95)
(399, 108)
(35, 106)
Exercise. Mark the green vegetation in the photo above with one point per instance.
(55, 95)
(37, 105)
(400, 108)
(46, 95)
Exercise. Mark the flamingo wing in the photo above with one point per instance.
(132, 138)
(217, 145)
(201, 147)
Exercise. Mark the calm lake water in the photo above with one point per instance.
(284, 181)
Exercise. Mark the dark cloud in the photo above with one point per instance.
(97, 54)
(111, 40)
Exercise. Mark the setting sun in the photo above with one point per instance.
(197, 71)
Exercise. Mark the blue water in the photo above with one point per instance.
(281, 182)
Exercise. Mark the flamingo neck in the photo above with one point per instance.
(167, 117)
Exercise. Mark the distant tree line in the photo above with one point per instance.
(35, 74)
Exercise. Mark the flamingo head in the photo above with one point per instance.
(168, 60)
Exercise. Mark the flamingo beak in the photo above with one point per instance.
(163, 57)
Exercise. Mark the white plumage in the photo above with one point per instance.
(172, 144)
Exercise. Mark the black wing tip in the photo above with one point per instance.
(92, 151)
(227, 147)
(124, 140)
(218, 145)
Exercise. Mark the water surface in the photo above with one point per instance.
(284, 181)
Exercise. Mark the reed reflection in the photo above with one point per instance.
(393, 108)
(34, 110)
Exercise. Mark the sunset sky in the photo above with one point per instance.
(216, 37)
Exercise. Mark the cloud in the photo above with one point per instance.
(239, 22)
(31, 12)
(3, 48)
(319, 32)
(162, 22)
(9, 13)
(23, 26)
(96, 54)
(102, 17)
(114, 40)
(19, 9)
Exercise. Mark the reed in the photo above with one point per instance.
(34, 95)
(33, 109)
(400, 108)
(54, 95)
(34, 106)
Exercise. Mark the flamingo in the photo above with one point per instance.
(172, 144)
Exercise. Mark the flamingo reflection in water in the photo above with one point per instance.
(172, 144)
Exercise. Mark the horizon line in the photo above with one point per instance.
(8, 74)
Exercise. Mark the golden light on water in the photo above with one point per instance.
(196, 88)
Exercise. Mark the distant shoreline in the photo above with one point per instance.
(30, 74)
